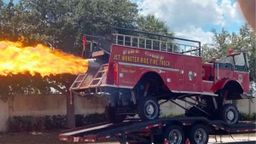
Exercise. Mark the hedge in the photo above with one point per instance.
(54, 122)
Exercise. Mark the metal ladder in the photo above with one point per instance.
(98, 77)
(78, 81)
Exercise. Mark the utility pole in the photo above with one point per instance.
(70, 111)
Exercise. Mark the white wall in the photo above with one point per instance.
(247, 106)
(56, 105)
(4, 114)
(45, 105)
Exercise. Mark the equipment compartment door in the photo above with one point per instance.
(191, 74)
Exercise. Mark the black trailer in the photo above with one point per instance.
(177, 130)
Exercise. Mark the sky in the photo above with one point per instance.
(195, 19)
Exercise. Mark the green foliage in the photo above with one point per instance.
(54, 122)
(1, 4)
(222, 41)
(60, 23)
(24, 123)
(247, 117)
(152, 24)
(26, 84)
(170, 115)
(210, 53)
(82, 120)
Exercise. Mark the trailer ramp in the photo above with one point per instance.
(146, 132)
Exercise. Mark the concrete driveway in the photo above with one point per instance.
(233, 139)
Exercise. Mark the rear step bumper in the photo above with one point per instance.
(102, 91)
(112, 95)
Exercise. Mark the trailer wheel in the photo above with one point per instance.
(112, 115)
(174, 135)
(229, 114)
(198, 134)
(148, 108)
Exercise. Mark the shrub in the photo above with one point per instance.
(55, 122)
(89, 119)
(247, 117)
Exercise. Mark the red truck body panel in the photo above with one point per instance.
(130, 58)
(180, 73)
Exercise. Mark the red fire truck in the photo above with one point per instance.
(136, 72)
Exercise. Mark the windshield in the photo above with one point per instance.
(227, 59)
(239, 60)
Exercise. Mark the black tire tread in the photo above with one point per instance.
(169, 128)
(141, 107)
(192, 131)
(222, 113)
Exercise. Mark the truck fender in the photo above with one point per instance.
(232, 86)
(153, 77)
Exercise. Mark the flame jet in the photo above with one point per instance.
(15, 58)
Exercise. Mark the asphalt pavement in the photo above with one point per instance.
(233, 139)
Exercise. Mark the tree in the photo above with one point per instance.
(1, 4)
(222, 41)
(60, 23)
(209, 53)
(151, 24)
(252, 56)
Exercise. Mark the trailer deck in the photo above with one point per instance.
(136, 131)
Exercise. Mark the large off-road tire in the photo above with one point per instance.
(148, 108)
(112, 115)
(174, 134)
(198, 134)
(229, 114)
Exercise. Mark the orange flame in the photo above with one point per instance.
(16, 58)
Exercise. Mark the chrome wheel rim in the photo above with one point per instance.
(230, 115)
(150, 109)
(175, 137)
(200, 136)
